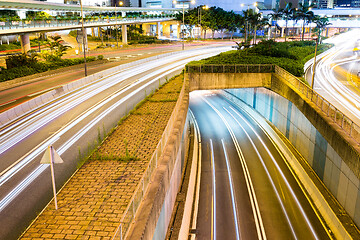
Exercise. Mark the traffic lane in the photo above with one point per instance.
(54, 123)
(17, 95)
(299, 214)
(271, 216)
(212, 127)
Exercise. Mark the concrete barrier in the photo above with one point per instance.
(160, 196)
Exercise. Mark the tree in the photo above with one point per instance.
(287, 12)
(275, 16)
(305, 13)
(57, 49)
(321, 23)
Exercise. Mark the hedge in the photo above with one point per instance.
(21, 71)
(289, 55)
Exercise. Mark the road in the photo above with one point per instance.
(246, 189)
(39, 85)
(336, 75)
(71, 124)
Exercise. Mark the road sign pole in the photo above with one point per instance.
(53, 175)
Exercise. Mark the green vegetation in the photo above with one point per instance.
(23, 65)
(289, 55)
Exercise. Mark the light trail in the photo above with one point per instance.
(19, 164)
(251, 190)
(231, 191)
(277, 167)
(213, 200)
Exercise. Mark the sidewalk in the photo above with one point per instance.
(93, 201)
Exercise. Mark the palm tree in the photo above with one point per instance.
(294, 16)
(287, 12)
(321, 23)
(275, 16)
(305, 13)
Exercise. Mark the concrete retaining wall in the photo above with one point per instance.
(153, 216)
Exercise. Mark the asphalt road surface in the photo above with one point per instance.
(70, 123)
(246, 189)
(336, 75)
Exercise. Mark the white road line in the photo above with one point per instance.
(268, 175)
(213, 201)
(253, 200)
(3, 104)
(282, 175)
(232, 192)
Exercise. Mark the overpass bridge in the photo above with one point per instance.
(162, 18)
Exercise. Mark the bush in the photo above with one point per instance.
(30, 67)
(289, 55)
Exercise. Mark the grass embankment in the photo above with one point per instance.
(289, 55)
(138, 133)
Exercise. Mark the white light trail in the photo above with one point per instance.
(279, 170)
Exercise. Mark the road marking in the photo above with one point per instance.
(11, 101)
(281, 173)
(37, 93)
(213, 201)
(232, 192)
(253, 200)
(267, 173)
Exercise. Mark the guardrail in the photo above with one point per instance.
(231, 68)
(132, 207)
(339, 118)
(60, 23)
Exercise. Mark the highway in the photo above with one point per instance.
(336, 76)
(71, 124)
(246, 189)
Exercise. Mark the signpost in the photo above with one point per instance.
(51, 157)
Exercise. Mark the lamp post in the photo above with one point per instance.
(116, 26)
(183, 13)
(205, 7)
(247, 22)
(83, 33)
(314, 65)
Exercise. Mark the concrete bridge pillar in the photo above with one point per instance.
(93, 32)
(282, 32)
(25, 42)
(158, 30)
(166, 30)
(124, 34)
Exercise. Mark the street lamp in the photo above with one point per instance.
(205, 7)
(183, 11)
(247, 22)
(116, 26)
(314, 65)
(83, 33)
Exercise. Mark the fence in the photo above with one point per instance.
(59, 23)
(231, 68)
(339, 118)
(130, 211)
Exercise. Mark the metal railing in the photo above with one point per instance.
(231, 68)
(339, 118)
(60, 23)
(130, 211)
